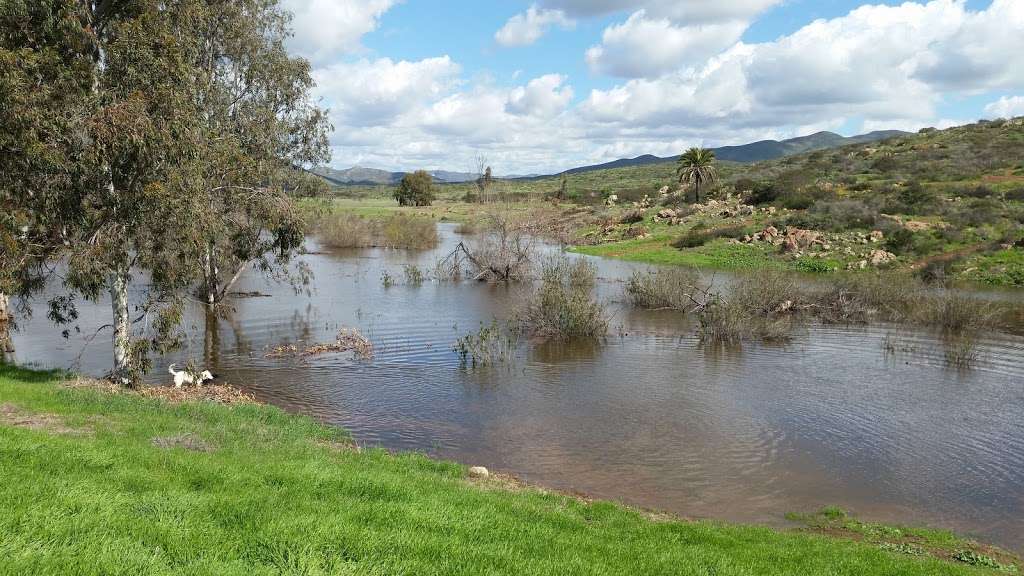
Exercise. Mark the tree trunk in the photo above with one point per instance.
(122, 373)
(6, 343)
(212, 273)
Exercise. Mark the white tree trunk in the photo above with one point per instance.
(122, 373)
(6, 343)
(212, 273)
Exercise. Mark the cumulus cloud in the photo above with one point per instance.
(875, 62)
(1006, 107)
(876, 67)
(525, 29)
(326, 28)
(542, 97)
(680, 11)
(645, 47)
(368, 93)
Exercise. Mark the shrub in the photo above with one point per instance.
(345, 230)
(665, 289)
(976, 212)
(416, 189)
(836, 216)
(410, 232)
(563, 306)
(763, 193)
(700, 235)
(633, 217)
(916, 198)
(744, 185)
(903, 241)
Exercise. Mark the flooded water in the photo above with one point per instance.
(649, 417)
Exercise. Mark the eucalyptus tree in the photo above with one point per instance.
(259, 132)
(697, 167)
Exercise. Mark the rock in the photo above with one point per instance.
(667, 214)
(876, 236)
(479, 472)
(880, 257)
(612, 200)
(797, 240)
(770, 232)
(664, 191)
(917, 226)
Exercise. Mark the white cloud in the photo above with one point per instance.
(875, 62)
(679, 11)
(542, 97)
(1006, 107)
(326, 28)
(646, 47)
(369, 93)
(525, 29)
(876, 67)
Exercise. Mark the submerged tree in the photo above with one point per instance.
(118, 117)
(697, 167)
(258, 131)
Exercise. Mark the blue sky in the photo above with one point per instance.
(546, 85)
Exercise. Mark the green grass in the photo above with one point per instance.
(719, 254)
(274, 494)
(1002, 268)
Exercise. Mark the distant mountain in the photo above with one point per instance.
(372, 177)
(758, 151)
(754, 152)
(358, 176)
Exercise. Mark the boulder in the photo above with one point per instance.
(479, 472)
(876, 236)
(881, 257)
(798, 239)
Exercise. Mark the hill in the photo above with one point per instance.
(360, 176)
(757, 151)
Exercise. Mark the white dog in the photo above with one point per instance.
(182, 377)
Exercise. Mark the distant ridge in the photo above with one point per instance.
(753, 152)
(360, 176)
(758, 151)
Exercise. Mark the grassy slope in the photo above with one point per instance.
(276, 495)
(952, 163)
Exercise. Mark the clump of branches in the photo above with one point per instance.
(563, 306)
(488, 346)
(666, 289)
(347, 340)
(503, 253)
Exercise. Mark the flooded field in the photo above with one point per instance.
(650, 416)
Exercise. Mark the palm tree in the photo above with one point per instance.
(697, 167)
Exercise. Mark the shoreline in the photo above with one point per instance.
(43, 410)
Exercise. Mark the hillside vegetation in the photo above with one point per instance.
(944, 204)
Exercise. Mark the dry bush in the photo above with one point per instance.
(665, 289)
(346, 230)
(409, 232)
(563, 306)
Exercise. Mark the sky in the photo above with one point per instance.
(542, 86)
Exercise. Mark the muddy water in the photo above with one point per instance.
(650, 417)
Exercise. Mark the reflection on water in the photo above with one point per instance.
(652, 417)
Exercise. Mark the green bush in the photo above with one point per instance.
(699, 235)
(416, 189)
(835, 216)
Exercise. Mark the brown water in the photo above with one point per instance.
(650, 417)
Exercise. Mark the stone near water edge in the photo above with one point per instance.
(479, 472)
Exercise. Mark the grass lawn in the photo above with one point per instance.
(99, 483)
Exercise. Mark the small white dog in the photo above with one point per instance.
(182, 377)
